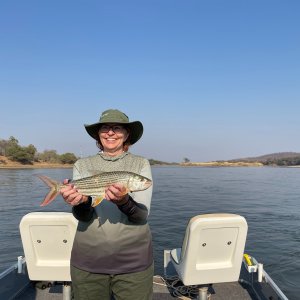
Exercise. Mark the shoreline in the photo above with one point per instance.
(8, 164)
(5, 163)
(222, 164)
(36, 167)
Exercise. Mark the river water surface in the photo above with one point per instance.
(269, 199)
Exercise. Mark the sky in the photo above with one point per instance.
(209, 80)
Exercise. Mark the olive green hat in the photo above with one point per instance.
(116, 117)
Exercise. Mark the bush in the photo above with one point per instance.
(68, 158)
(20, 154)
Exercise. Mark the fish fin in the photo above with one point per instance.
(97, 200)
(54, 191)
(126, 191)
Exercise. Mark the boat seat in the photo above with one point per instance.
(47, 239)
(212, 249)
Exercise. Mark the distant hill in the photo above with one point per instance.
(266, 157)
(273, 159)
(280, 158)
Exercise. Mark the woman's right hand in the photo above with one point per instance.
(71, 194)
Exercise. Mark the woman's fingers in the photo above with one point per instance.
(115, 192)
(71, 195)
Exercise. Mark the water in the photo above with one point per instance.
(267, 197)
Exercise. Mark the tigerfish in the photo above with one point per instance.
(95, 185)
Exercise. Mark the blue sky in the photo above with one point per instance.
(209, 80)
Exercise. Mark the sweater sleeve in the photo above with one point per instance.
(84, 211)
(144, 197)
(136, 212)
(137, 208)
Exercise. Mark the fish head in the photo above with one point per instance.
(138, 183)
(147, 183)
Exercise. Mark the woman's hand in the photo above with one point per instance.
(117, 194)
(71, 194)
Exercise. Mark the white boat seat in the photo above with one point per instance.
(47, 239)
(212, 249)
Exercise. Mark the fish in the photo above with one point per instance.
(95, 185)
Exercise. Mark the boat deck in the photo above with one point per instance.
(219, 291)
(233, 291)
(163, 289)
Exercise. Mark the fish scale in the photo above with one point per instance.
(96, 184)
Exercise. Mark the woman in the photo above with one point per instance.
(112, 250)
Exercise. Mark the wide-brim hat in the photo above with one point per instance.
(116, 117)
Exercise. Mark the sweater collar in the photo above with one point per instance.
(112, 158)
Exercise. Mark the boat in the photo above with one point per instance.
(210, 265)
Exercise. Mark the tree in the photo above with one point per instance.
(31, 150)
(5, 144)
(50, 156)
(27, 155)
(68, 158)
(13, 141)
(3, 147)
(15, 152)
(20, 154)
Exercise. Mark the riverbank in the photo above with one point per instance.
(222, 164)
(5, 163)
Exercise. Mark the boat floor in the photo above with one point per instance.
(218, 292)
(18, 286)
(161, 291)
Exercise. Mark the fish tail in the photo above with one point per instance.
(54, 189)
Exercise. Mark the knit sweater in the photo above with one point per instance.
(113, 239)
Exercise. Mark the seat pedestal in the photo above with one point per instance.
(203, 293)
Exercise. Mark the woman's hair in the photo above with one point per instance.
(126, 144)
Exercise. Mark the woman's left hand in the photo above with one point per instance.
(116, 193)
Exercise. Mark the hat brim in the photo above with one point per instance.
(136, 130)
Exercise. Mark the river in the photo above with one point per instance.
(267, 197)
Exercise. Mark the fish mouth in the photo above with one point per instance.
(148, 184)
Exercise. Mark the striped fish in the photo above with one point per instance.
(95, 185)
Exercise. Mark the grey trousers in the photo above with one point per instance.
(131, 286)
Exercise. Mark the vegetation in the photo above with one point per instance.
(158, 162)
(288, 161)
(28, 155)
(274, 159)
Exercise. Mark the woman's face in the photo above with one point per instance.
(112, 137)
